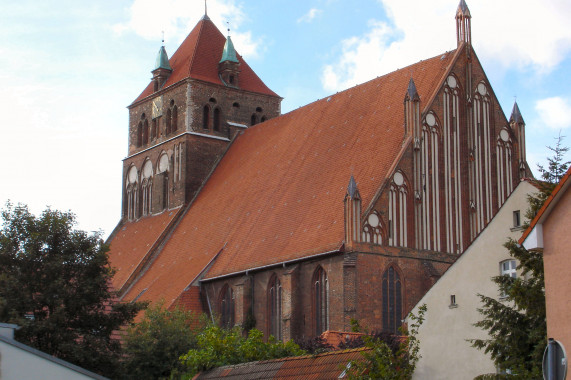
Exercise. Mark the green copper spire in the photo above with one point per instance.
(162, 61)
(229, 54)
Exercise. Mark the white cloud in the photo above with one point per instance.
(554, 112)
(309, 16)
(527, 34)
(177, 18)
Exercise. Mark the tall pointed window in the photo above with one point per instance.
(206, 117)
(253, 119)
(226, 305)
(174, 120)
(146, 188)
(320, 301)
(391, 300)
(131, 187)
(275, 308)
(168, 122)
(140, 134)
(145, 132)
(216, 125)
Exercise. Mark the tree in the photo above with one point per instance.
(516, 325)
(54, 284)
(217, 346)
(389, 357)
(152, 347)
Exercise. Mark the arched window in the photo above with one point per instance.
(154, 129)
(146, 188)
(131, 184)
(145, 132)
(140, 134)
(263, 119)
(216, 126)
(205, 117)
(275, 308)
(168, 121)
(226, 304)
(253, 119)
(391, 300)
(320, 301)
(174, 126)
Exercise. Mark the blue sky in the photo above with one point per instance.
(69, 69)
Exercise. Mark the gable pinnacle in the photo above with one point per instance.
(516, 115)
(352, 188)
(411, 90)
(463, 9)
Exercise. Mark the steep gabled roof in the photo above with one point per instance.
(278, 192)
(198, 57)
(548, 205)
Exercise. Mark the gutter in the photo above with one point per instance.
(282, 263)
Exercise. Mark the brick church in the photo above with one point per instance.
(349, 207)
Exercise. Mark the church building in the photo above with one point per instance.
(349, 207)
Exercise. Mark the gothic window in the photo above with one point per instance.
(145, 132)
(391, 300)
(216, 125)
(275, 307)
(168, 121)
(226, 305)
(162, 181)
(174, 121)
(398, 223)
(320, 300)
(154, 129)
(504, 166)
(146, 188)
(372, 232)
(253, 119)
(131, 185)
(205, 117)
(263, 119)
(140, 134)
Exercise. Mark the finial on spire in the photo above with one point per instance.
(516, 115)
(205, 8)
(163, 40)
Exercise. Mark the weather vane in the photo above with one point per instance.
(228, 23)
(163, 32)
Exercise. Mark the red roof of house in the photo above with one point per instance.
(335, 338)
(545, 209)
(198, 56)
(277, 194)
(132, 241)
(329, 365)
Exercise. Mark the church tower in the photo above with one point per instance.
(185, 119)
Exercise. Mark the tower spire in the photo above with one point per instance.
(463, 24)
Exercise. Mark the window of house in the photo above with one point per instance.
(391, 300)
(517, 220)
(508, 268)
(226, 307)
(275, 307)
(320, 301)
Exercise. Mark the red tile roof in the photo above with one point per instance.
(329, 365)
(545, 209)
(198, 56)
(131, 243)
(278, 192)
(335, 338)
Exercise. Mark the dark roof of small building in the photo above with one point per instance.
(330, 365)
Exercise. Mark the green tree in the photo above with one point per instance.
(54, 284)
(152, 347)
(385, 359)
(516, 325)
(217, 346)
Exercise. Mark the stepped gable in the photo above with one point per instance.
(198, 56)
(278, 192)
(131, 242)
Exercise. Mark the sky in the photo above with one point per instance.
(69, 69)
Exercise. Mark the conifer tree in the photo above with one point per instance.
(516, 324)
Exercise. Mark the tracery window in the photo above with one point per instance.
(372, 230)
(275, 307)
(146, 188)
(320, 300)
(391, 300)
(131, 187)
(226, 304)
